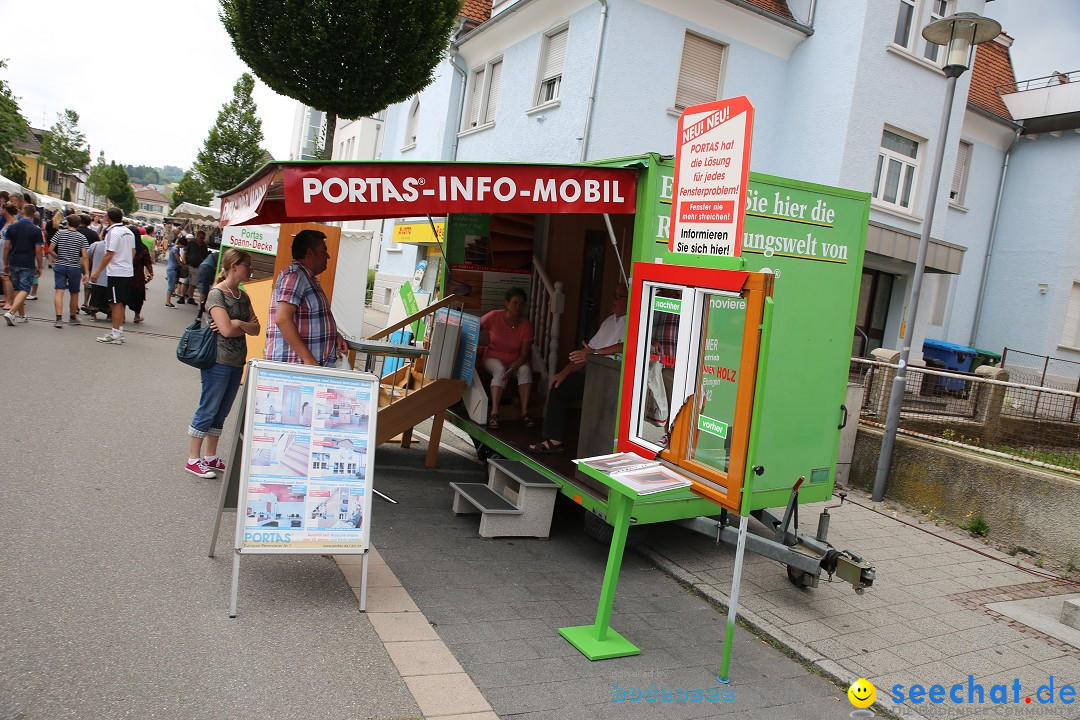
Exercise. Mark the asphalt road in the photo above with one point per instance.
(110, 606)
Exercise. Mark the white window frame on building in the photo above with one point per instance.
(412, 124)
(483, 94)
(549, 71)
(701, 71)
(1070, 332)
(911, 17)
(960, 174)
(907, 179)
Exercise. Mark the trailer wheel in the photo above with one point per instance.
(798, 578)
(598, 530)
(483, 452)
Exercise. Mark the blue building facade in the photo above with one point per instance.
(851, 97)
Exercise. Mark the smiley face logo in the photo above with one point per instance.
(862, 693)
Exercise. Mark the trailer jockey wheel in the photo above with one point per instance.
(483, 452)
(798, 578)
(598, 530)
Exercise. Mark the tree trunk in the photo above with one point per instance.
(328, 143)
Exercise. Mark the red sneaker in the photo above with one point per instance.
(215, 464)
(200, 469)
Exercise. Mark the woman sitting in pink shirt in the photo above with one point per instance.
(509, 346)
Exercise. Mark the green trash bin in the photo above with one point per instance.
(984, 357)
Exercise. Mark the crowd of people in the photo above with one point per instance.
(103, 257)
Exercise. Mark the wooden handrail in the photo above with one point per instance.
(449, 299)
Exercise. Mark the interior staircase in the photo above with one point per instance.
(407, 396)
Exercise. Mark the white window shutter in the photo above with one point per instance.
(963, 152)
(414, 119)
(554, 56)
(475, 97)
(699, 71)
(493, 91)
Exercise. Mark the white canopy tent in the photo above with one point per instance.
(10, 185)
(197, 214)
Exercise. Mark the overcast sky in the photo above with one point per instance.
(148, 77)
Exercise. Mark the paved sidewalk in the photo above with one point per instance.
(925, 620)
(498, 605)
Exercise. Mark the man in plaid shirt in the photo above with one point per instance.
(301, 327)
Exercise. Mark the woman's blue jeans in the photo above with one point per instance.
(220, 384)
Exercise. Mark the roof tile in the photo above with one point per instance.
(776, 7)
(477, 10)
(992, 67)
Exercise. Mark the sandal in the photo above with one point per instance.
(546, 447)
(528, 421)
(493, 422)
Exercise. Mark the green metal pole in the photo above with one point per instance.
(621, 506)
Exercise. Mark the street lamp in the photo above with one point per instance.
(959, 34)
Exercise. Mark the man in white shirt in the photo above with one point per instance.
(568, 385)
(118, 263)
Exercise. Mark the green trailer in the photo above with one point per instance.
(809, 241)
(756, 383)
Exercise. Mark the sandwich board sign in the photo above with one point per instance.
(712, 170)
(301, 471)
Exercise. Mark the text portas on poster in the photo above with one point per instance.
(712, 168)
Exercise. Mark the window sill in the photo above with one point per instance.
(407, 148)
(675, 112)
(549, 105)
(1069, 348)
(478, 128)
(955, 206)
(915, 59)
(889, 210)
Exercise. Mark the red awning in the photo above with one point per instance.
(305, 191)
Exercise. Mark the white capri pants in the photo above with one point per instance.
(496, 368)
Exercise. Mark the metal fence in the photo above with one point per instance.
(1042, 371)
(1033, 424)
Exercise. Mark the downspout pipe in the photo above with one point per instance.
(593, 82)
(990, 244)
(453, 57)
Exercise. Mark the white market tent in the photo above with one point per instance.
(10, 185)
(49, 203)
(197, 214)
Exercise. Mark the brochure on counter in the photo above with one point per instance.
(641, 475)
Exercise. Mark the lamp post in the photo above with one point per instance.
(959, 34)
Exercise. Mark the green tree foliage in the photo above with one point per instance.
(120, 192)
(231, 152)
(67, 195)
(63, 147)
(348, 58)
(171, 174)
(13, 127)
(191, 189)
(143, 174)
(98, 179)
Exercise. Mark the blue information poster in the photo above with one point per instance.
(306, 478)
